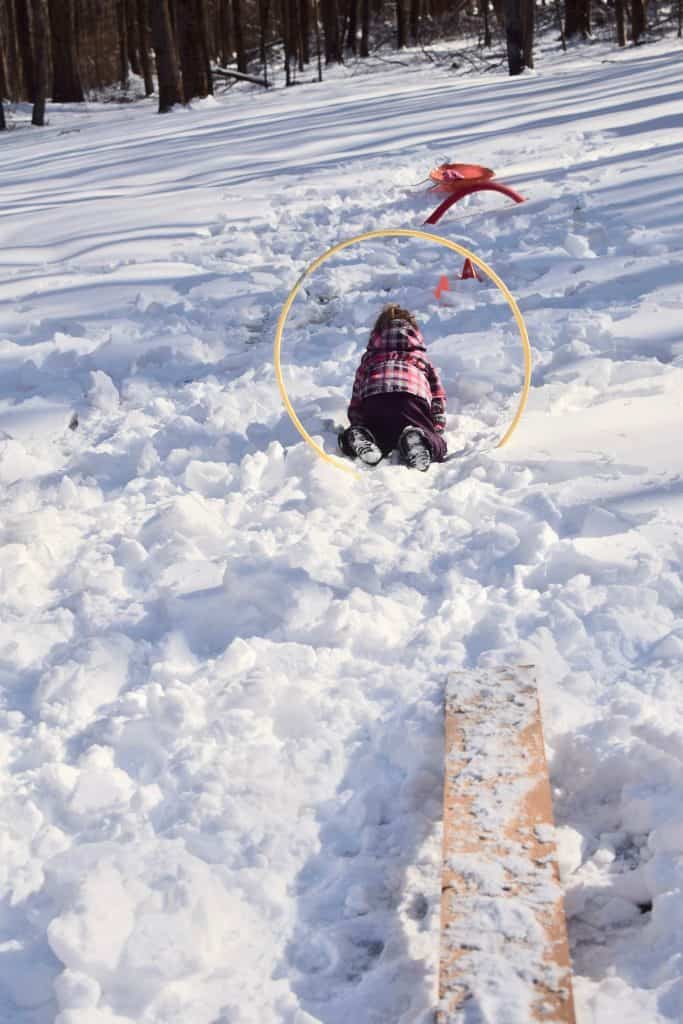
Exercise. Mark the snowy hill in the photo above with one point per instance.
(223, 661)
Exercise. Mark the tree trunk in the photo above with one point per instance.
(414, 19)
(239, 35)
(331, 32)
(134, 44)
(297, 27)
(4, 88)
(513, 32)
(287, 43)
(122, 26)
(577, 18)
(638, 24)
(164, 49)
(318, 48)
(23, 15)
(621, 24)
(352, 26)
(364, 27)
(306, 31)
(194, 48)
(225, 46)
(206, 43)
(527, 19)
(400, 24)
(560, 25)
(66, 75)
(295, 39)
(264, 13)
(13, 62)
(5, 55)
(41, 51)
(143, 23)
(487, 26)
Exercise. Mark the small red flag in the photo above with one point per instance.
(442, 286)
(468, 270)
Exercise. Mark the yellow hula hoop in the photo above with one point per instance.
(392, 233)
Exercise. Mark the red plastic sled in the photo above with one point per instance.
(459, 180)
(449, 177)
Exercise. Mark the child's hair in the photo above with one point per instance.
(389, 314)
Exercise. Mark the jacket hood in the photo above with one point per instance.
(401, 335)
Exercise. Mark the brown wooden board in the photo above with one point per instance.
(504, 957)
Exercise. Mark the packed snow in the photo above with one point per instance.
(223, 660)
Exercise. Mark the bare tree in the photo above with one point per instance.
(364, 28)
(519, 31)
(400, 24)
(193, 48)
(514, 36)
(164, 49)
(133, 30)
(289, 39)
(352, 26)
(560, 24)
(330, 20)
(264, 15)
(318, 48)
(577, 18)
(487, 25)
(41, 59)
(638, 22)
(4, 86)
(4, 91)
(123, 42)
(222, 47)
(207, 52)
(23, 27)
(14, 72)
(239, 35)
(414, 21)
(143, 36)
(527, 21)
(137, 21)
(305, 31)
(298, 30)
(621, 22)
(66, 76)
(98, 47)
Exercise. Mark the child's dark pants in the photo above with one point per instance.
(386, 415)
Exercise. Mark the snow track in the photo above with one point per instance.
(223, 662)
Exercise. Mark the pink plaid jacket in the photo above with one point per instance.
(395, 360)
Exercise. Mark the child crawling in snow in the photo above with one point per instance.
(397, 400)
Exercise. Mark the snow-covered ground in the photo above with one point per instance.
(223, 661)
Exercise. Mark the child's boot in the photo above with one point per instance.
(412, 444)
(359, 442)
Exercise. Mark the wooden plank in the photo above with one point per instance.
(504, 957)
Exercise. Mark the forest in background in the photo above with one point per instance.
(67, 50)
